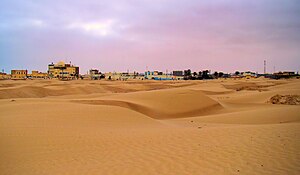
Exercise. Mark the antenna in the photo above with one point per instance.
(265, 66)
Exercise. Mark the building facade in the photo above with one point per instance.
(249, 75)
(61, 70)
(19, 74)
(4, 76)
(156, 75)
(95, 74)
(38, 75)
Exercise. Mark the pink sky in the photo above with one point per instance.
(159, 34)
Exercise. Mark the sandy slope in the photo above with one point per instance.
(148, 127)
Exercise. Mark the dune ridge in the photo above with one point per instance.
(152, 112)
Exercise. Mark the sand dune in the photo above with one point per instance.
(45, 88)
(266, 115)
(163, 104)
(148, 127)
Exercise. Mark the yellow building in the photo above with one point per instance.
(249, 75)
(36, 75)
(19, 74)
(62, 70)
(4, 76)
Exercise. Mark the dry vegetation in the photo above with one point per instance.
(285, 99)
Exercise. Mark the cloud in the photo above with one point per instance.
(104, 28)
(37, 23)
(115, 34)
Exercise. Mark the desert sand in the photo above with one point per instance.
(148, 127)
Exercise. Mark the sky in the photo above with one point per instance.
(139, 35)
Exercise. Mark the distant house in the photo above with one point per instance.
(4, 76)
(285, 74)
(156, 75)
(19, 74)
(62, 70)
(95, 74)
(177, 73)
(249, 75)
(124, 76)
(38, 75)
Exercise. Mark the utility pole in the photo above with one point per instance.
(265, 66)
(166, 72)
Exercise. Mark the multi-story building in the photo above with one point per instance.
(62, 70)
(19, 74)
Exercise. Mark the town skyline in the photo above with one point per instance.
(264, 69)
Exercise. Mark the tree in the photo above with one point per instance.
(216, 75)
(200, 75)
(237, 73)
(205, 74)
(220, 74)
(187, 74)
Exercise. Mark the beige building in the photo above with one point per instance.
(62, 70)
(113, 76)
(38, 75)
(19, 74)
(4, 76)
(123, 76)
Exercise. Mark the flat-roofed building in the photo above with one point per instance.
(95, 74)
(249, 75)
(19, 74)
(62, 70)
(123, 76)
(38, 75)
(4, 76)
(177, 73)
(156, 75)
(113, 76)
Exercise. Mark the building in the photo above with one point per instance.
(177, 73)
(61, 70)
(4, 76)
(123, 76)
(19, 74)
(156, 75)
(38, 75)
(112, 76)
(95, 74)
(249, 75)
(285, 74)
